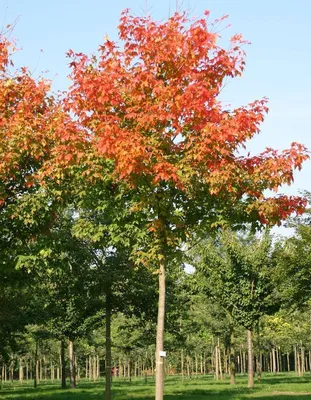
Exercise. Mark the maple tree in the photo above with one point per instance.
(150, 110)
(27, 126)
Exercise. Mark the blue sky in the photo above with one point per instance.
(278, 61)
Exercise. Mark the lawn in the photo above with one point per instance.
(282, 386)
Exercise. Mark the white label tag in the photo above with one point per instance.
(162, 353)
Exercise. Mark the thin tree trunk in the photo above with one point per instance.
(94, 368)
(182, 365)
(108, 347)
(259, 355)
(232, 357)
(120, 368)
(44, 368)
(201, 364)
(303, 368)
(21, 371)
(288, 364)
(250, 359)
(298, 362)
(35, 367)
(160, 336)
(188, 367)
(129, 370)
(274, 368)
(90, 368)
(41, 370)
(72, 374)
(196, 366)
(279, 363)
(216, 363)
(63, 363)
(219, 361)
(98, 367)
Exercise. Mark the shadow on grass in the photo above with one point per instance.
(275, 380)
(201, 389)
(280, 396)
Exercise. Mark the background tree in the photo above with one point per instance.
(235, 271)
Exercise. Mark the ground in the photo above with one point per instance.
(272, 387)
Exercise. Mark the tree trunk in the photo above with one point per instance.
(120, 368)
(303, 368)
(94, 368)
(129, 370)
(259, 366)
(188, 367)
(298, 362)
(259, 355)
(63, 363)
(35, 367)
(201, 364)
(108, 347)
(244, 360)
(250, 359)
(72, 375)
(288, 364)
(278, 358)
(219, 362)
(216, 364)
(232, 358)
(160, 336)
(98, 367)
(182, 365)
(274, 368)
(40, 370)
(21, 371)
(196, 365)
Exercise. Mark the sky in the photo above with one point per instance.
(278, 60)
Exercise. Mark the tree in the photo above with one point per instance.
(236, 272)
(293, 257)
(150, 111)
(27, 126)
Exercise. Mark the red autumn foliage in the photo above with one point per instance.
(152, 107)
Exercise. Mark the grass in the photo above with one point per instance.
(272, 387)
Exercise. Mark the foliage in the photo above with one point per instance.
(236, 272)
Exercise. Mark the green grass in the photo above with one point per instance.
(282, 386)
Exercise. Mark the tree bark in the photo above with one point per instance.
(63, 363)
(250, 359)
(160, 336)
(108, 347)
